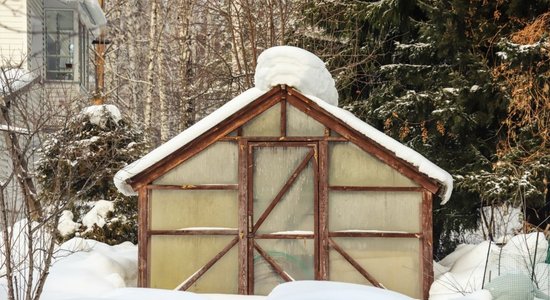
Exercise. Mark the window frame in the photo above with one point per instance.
(72, 34)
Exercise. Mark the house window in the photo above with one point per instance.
(60, 46)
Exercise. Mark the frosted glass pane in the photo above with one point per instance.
(295, 210)
(265, 278)
(350, 165)
(267, 123)
(394, 262)
(216, 164)
(385, 211)
(272, 168)
(295, 257)
(173, 259)
(300, 124)
(193, 208)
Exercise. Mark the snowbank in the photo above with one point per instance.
(467, 273)
(329, 290)
(98, 214)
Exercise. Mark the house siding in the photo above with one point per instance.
(13, 32)
(35, 38)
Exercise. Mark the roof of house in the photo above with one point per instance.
(287, 54)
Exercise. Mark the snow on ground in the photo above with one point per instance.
(89, 270)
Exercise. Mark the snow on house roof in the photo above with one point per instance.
(303, 71)
(12, 80)
(90, 13)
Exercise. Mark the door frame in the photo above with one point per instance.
(247, 228)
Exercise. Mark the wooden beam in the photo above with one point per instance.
(311, 108)
(283, 116)
(193, 187)
(194, 232)
(368, 234)
(285, 138)
(355, 264)
(243, 218)
(323, 234)
(273, 263)
(427, 244)
(249, 218)
(283, 190)
(316, 230)
(288, 236)
(375, 188)
(191, 280)
(143, 240)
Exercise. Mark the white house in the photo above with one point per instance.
(46, 62)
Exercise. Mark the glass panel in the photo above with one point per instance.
(59, 20)
(176, 258)
(295, 211)
(300, 124)
(384, 211)
(193, 208)
(272, 168)
(394, 262)
(334, 134)
(350, 165)
(59, 44)
(265, 278)
(267, 123)
(294, 256)
(216, 164)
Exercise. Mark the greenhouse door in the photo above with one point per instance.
(282, 214)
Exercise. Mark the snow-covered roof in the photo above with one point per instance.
(12, 80)
(90, 13)
(300, 66)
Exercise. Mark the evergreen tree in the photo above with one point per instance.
(428, 77)
(85, 155)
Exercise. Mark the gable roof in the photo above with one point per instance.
(395, 148)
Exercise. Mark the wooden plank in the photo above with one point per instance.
(143, 240)
(273, 263)
(323, 212)
(279, 143)
(290, 181)
(367, 234)
(355, 264)
(297, 236)
(283, 116)
(427, 244)
(249, 218)
(193, 187)
(311, 108)
(191, 280)
(375, 188)
(316, 250)
(195, 232)
(225, 127)
(243, 217)
(286, 138)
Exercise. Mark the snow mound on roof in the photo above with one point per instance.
(12, 80)
(297, 68)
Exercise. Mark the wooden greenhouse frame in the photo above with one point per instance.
(247, 242)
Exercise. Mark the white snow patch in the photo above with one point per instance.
(502, 55)
(90, 13)
(66, 224)
(98, 114)
(297, 68)
(330, 290)
(12, 80)
(98, 214)
(14, 129)
(474, 88)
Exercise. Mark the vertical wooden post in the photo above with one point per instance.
(249, 219)
(427, 243)
(143, 240)
(243, 218)
(99, 97)
(323, 242)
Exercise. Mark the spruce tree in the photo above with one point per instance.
(78, 164)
